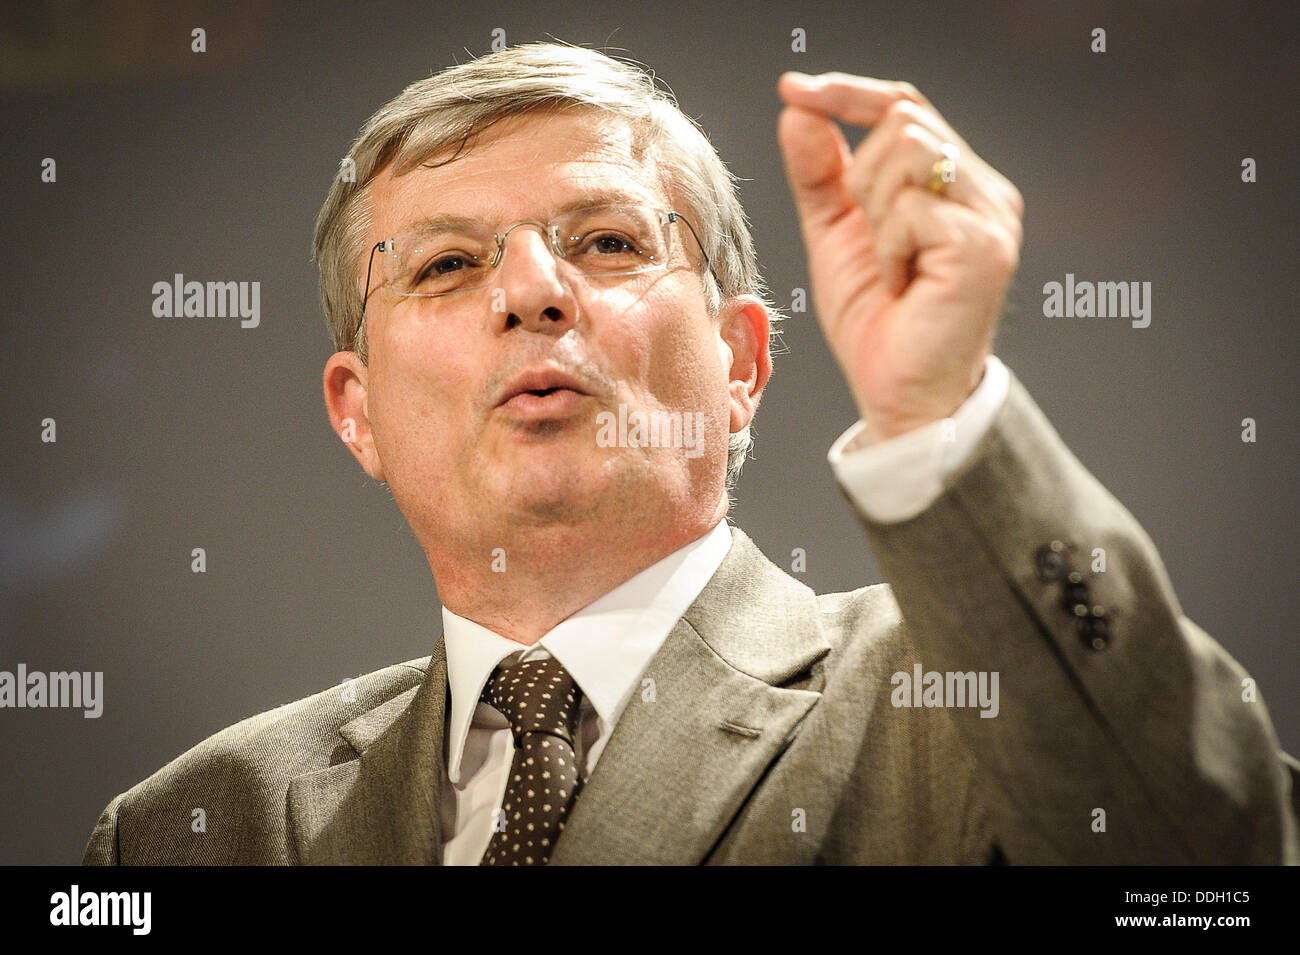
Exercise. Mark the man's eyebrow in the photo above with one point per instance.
(454, 222)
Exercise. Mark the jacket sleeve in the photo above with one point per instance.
(102, 847)
(1124, 733)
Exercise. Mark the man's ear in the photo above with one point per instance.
(346, 378)
(745, 331)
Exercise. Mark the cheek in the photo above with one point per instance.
(419, 385)
(657, 339)
(683, 367)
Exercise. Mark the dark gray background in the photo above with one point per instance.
(175, 434)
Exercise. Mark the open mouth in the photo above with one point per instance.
(539, 403)
(543, 392)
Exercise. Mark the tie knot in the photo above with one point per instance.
(536, 696)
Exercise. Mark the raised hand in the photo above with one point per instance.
(912, 240)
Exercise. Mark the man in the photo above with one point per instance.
(552, 338)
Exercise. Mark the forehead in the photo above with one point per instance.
(521, 167)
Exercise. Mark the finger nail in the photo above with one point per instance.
(803, 79)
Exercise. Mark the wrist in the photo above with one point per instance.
(922, 407)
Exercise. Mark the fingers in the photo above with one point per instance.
(919, 220)
(860, 100)
(816, 157)
(872, 151)
(910, 162)
(897, 158)
(902, 151)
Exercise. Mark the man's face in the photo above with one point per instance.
(456, 449)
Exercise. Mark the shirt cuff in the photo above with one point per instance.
(896, 479)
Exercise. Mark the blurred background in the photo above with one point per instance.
(174, 434)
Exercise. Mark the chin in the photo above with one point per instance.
(551, 486)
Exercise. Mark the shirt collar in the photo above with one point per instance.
(606, 645)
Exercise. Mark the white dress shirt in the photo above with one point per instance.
(608, 644)
(897, 479)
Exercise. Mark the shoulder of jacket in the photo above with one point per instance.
(865, 628)
(869, 612)
(278, 744)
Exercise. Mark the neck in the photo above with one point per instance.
(523, 588)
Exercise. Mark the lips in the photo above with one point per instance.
(540, 384)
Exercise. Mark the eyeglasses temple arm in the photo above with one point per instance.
(703, 252)
(366, 296)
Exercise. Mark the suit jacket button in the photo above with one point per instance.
(1072, 595)
(1051, 562)
(1094, 631)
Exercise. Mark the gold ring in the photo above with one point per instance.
(944, 170)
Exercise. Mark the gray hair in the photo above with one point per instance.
(448, 108)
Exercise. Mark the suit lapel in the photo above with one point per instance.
(692, 744)
(382, 808)
(688, 749)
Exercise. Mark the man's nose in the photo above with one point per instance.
(534, 284)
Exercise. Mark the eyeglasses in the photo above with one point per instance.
(451, 255)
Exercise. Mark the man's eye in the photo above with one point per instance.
(442, 265)
(612, 244)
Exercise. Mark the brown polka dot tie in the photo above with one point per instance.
(540, 699)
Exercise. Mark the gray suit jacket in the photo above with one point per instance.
(771, 735)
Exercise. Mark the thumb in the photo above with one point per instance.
(816, 157)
